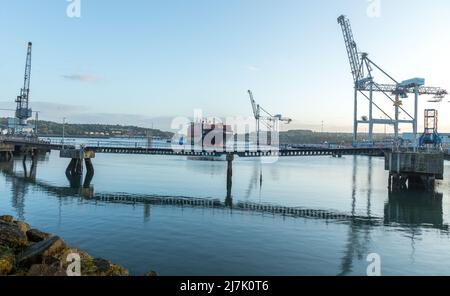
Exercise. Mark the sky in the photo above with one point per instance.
(147, 61)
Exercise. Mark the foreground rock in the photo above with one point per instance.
(11, 236)
(30, 252)
(36, 236)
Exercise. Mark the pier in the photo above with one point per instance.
(407, 169)
(415, 170)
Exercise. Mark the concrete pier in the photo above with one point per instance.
(6, 152)
(75, 167)
(414, 170)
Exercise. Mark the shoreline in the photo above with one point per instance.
(25, 251)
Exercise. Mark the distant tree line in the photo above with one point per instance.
(311, 137)
(49, 128)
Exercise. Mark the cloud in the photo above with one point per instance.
(82, 78)
(47, 110)
(253, 68)
(58, 108)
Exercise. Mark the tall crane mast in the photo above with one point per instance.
(23, 112)
(364, 84)
(268, 120)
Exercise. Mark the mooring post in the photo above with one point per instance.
(69, 168)
(34, 157)
(89, 166)
(74, 171)
(390, 182)
(74, 181)
(79, 167)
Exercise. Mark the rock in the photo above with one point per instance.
(93, 267)
(7, 260)
(7, 218)
(36, 236)
(46, 270)
(151, 273)
(31, 252)
(24, 227)
(106, 268)
(39, 252)
(102, 265)
(12, 236)
(6, 265)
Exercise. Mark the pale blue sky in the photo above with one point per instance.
(165, 58)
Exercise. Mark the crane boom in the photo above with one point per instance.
(352, 50)
(437, 92)
(258, 110)
(254, 106)
(23, 112)
(363, 83)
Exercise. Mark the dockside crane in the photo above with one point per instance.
(264, 117)
(365, 85)
(23, 112)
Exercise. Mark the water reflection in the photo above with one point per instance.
(75, 182)
(19, 188)
(408, 211)
(415, 209)
(89, 195)
(358, 236)
(257, 174)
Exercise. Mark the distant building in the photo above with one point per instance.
(209, 135)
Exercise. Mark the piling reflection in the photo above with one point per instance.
(78, 185)
(413, 209)
(358, 236)
(180, 201)
(19, 188)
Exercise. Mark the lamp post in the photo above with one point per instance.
(63, 133)
(36, 120)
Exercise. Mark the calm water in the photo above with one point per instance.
(409, 231)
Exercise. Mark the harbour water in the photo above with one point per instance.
(408, 230)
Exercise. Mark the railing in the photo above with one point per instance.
(30, 140)
(143, 144)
